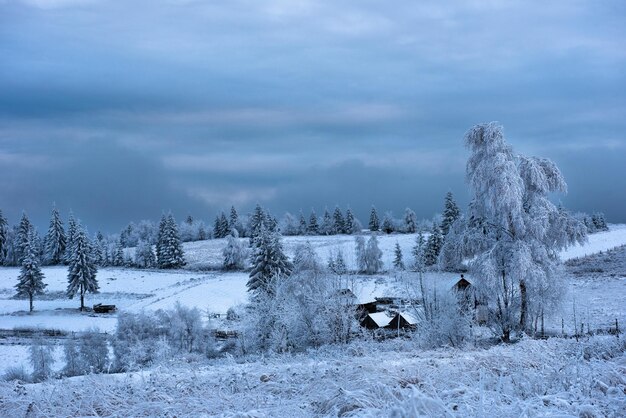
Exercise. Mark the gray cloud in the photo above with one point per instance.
(121, 110)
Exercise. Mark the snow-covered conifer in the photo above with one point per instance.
(82, 269)
(4, 238)
(374, 223)
(327, 227)
(350, 224)
(257, 222)
(269, 263)
(302, 227)
(451, 213)
(233, 220)
(69, 238)
(24, 230)
(398, 262)
(118, 254)
(144, 256)
(339, 224)
(313, 226)
(387, 226)
(433, 246)
(55, 239)
(410, 221)
(418, 252)
(30, 281)
(170, 253)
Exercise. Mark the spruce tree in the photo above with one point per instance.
(224, 225)
(387, 226)
(69, 238)
(4, 238)
(144, 256)
(99, 249)
(327, 227)
(418, 252)
(233, 220)
(269, 263)
(217, 228)
(374, 223)
(82, 269)
(170, 250)
(55, 240)
(398, 263)
(313, 227)
(339, 222)
(30, 281)
(410, 221)
(451, 213)
(23, 236)
(350, 225)
(257, 220)
(118, 254)
(302, 229)
(433, 246)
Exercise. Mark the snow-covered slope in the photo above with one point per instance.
(600, 241)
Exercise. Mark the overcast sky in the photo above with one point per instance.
(123, 109)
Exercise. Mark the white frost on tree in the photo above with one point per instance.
(514, 232)
(30, 281)
(55, 239)
(82, 268)
(234, 253)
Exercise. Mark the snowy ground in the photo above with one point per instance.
(556, 377)
(599, 296)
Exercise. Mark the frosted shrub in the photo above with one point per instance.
(40, 356)
(185, 331)
(135, 340)
(16, 373)
(93, 351)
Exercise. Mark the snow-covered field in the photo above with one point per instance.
(366, 379)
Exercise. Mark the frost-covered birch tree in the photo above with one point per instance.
(514, 231)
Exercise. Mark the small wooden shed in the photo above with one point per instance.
(376, 320)
(403, 320)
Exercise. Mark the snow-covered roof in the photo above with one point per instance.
(409, 317)
(380, 318)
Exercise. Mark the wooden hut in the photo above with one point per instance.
(376, 320)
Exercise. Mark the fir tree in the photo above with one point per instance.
(350, 225)
(82, 269)
(374, 224)
(55, 240)
(118, 254)
(4, 238)
(410, 221)
(387, 226)
(451, 213)
(30, 280)
(302, 229)
(257, 220)
(99, 249)
(24, 230)
(169, 248)
(418, 252)
(189, 220)
(144, 256)
(69, 238)
(269, 263)
(398, 263)
(313, 227)
(433, 246)
(327, 227)
(339, 222)
(161, 238)
(224, 225)
(233, 220)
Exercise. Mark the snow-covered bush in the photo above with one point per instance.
(40, 356)
(185, 331)
(136, 342)
(93, 350)
(234, 252)
(16, 373)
